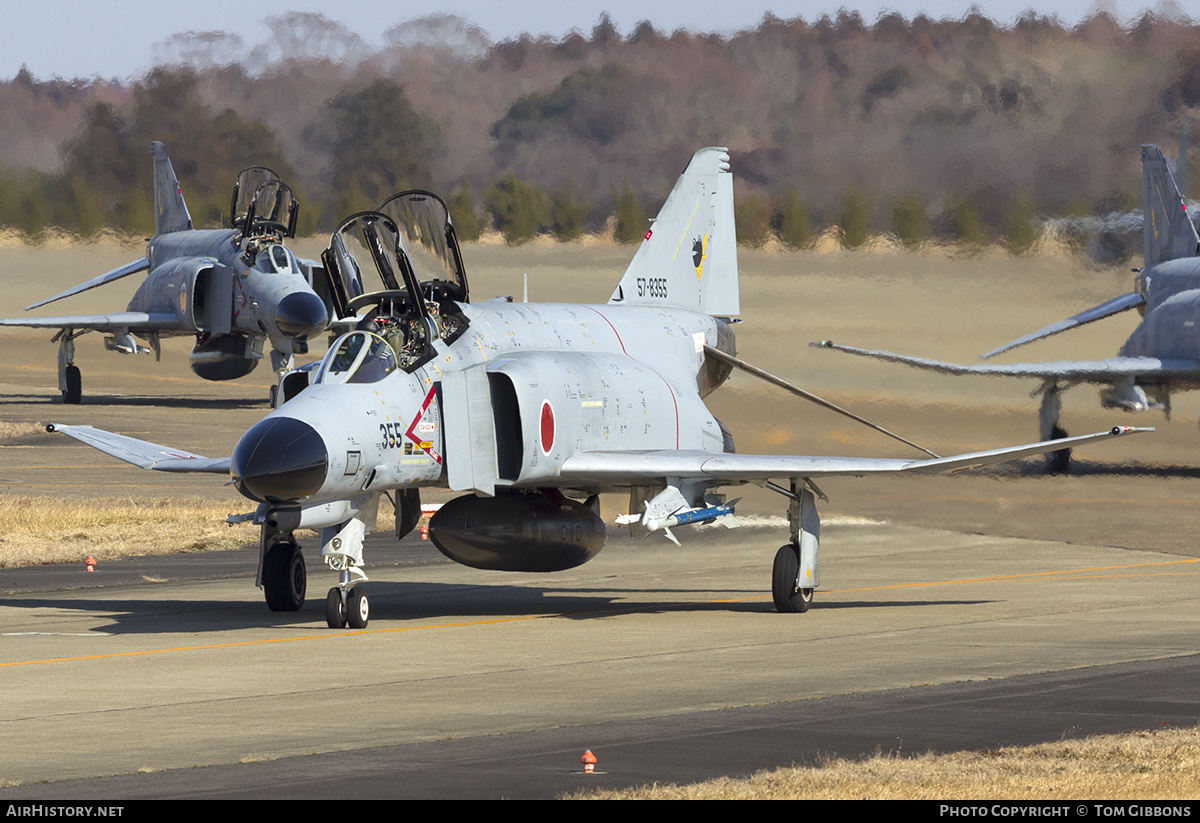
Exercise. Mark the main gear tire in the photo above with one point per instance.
(789, 599)
(1058, 462)
(285, 578)
(73, 393)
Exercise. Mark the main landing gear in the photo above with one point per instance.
(1058, 462)
(70, 380)
(796, 573)
(72, 393)
(785, 587)
(284, 577)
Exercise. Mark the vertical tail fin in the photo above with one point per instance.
(689, 257)
(1167, 232)
(170, 212)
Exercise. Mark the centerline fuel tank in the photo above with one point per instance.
(539, 531)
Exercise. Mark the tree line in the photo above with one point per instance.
(956, 130)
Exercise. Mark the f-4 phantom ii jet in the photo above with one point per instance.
(234, 289)
(1160, 357)
(531, 411)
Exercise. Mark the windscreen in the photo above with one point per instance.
(358, 357)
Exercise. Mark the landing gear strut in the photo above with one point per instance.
(796, 572)
(70, 380)
(281, 364)
(1058, 462)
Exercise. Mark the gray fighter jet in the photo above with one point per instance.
(1163, 353)
(234, 289)
(531, 411)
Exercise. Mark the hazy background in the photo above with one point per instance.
(69, 39)
(930, 122)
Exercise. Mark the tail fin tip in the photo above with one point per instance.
(689, 257)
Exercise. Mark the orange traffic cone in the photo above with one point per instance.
(424, 532)
(589, 762)
(90, 563)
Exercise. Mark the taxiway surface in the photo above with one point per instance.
(958, 612)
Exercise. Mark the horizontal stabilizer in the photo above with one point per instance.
(1114, 306)
(109, 276)
(142, 453)
(1087, 371)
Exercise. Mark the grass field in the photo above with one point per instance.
(1158, 765)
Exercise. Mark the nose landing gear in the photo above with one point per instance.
(347, 608)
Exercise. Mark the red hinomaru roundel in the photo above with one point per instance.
(547, 427)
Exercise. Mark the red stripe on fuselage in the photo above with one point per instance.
(660, 377)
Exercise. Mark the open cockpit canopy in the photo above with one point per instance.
(263, 204)
(429, 242)
(368, 269)
(364, 257)
(404, 265)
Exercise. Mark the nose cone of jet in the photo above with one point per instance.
(301, 315)
(280, 459)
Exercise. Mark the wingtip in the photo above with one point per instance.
(1012, 344)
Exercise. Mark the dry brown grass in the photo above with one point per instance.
(1160, 765)
(37, 530)
(42, 530)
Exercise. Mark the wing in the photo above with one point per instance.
(638, 468)
(116, 274)
(1091, 371)
(115, 322)
(142, 453)
(1114, 306)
